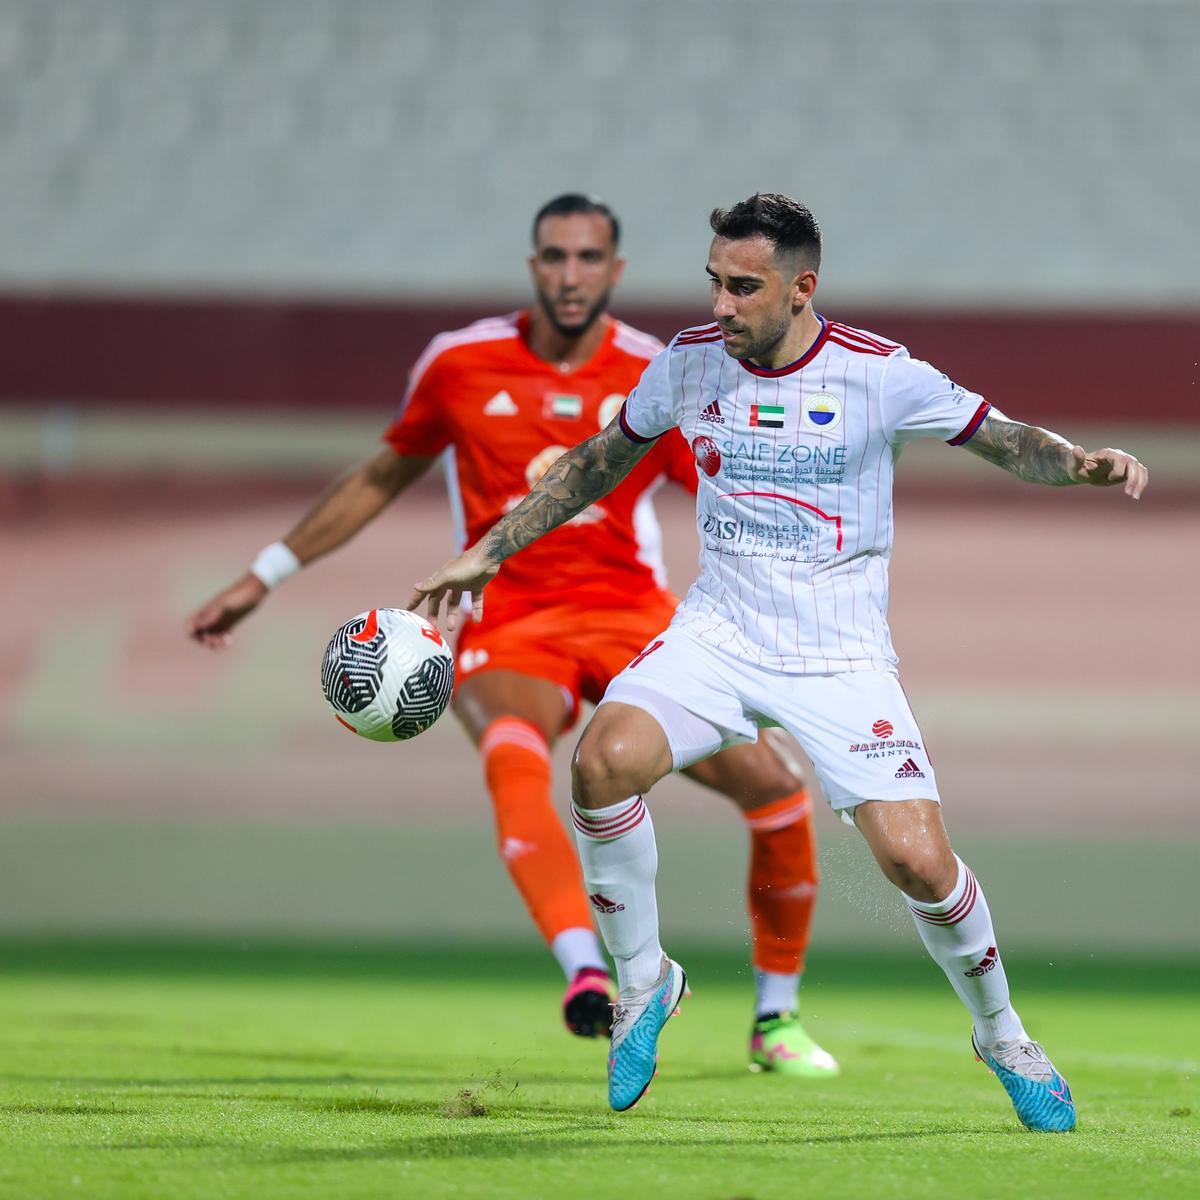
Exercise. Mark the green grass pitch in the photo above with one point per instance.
(203, 1070)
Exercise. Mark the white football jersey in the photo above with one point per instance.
(794, 507)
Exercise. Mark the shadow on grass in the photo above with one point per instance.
(171, 1084)
(469, 1138)
(82, 1109)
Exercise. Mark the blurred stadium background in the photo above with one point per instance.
(226, 230)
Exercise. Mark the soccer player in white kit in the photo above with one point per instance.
(796, 423)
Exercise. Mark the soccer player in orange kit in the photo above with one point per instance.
(501, 400)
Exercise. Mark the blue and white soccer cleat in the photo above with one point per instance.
(638, 1018)
(1038, 1092)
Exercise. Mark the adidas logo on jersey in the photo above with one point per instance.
(910, 770)
(604, 904)
(500, 405)
(713, 413)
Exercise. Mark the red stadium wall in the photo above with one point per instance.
(322, 354)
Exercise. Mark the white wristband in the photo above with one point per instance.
(274, 564)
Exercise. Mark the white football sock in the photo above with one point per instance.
(620, 860)
(958, 934)
(775, 993)
(576, 949)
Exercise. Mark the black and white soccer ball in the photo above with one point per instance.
(387, 674)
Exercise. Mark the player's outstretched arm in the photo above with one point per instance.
(576, 479)
(342, 510)
(1039, 456)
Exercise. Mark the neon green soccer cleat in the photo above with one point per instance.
(778, 1043)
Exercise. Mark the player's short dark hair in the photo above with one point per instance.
(571, 203)
(786, 223)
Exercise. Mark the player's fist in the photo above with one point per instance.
(1109, 467)
(470, 572)
(210, 624)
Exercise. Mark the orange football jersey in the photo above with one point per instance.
(504, 415)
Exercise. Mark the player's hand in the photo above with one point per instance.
(210, 624)
(1107, 468)
(470, 572)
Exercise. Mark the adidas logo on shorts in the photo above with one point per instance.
(910, 770)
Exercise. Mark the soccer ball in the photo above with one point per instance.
(387, 674)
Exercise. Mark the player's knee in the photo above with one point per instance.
(608, 766)
(923, 872)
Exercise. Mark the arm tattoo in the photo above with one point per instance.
(1032, 454)
(578, 478)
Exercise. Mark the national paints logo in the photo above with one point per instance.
(821, 412)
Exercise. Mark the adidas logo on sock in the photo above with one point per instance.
(713, 413)
(603, 904)
(514, 848)
(910, 770)
(985, 964)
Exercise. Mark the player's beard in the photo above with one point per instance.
(765, 341)
(580, 327)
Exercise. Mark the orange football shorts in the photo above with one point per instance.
(579, 648)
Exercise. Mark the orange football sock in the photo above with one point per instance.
(783, 882)
(535, 847)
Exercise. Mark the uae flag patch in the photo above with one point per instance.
(766, 416)
(569, 408)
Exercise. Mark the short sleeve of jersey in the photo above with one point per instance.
(421, 428)
(918, 401)
(649, 410)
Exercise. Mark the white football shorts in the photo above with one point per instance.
(855, 726)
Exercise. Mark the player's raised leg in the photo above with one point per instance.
(910, 844)
(767, 784)
(622, 754)
(514, 719)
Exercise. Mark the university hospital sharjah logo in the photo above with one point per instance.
(822, 411)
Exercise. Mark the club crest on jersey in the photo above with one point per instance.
(541, 462)
(822, 411)
(568, 408)
(609, 407)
